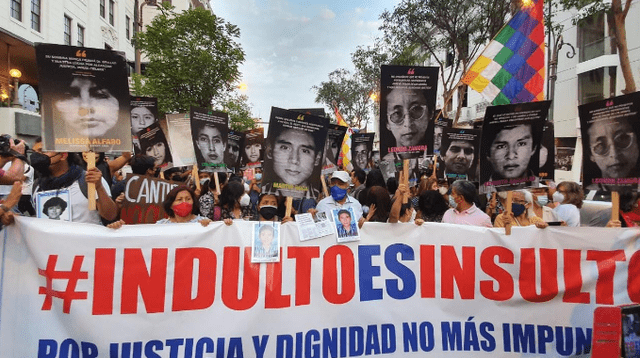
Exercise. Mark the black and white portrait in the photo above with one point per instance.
(362, 150)
(611, 149)
(252, 153)
(460, 149)
(85, 99)
(54, 205)
(407, 104)
(209, 131)
(293, 154)
(144, 112)
(154, 144)
(235, 144)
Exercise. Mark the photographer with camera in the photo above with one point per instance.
(11, 150)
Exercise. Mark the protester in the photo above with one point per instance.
(400, 210)
(463, 209)
(379, 204)
(339, 199)
(520, 214)
(568, 195)
(58, 171)
(431, 207)
(230, 203)
(9, 202)
(358, 176)
(107, 167)
(268, 207)
(209, 198)
(15, 172)
(540, 200)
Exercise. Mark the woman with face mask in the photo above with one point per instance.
(230, 202)
(521, 213)
(268, 208)
(568, 196)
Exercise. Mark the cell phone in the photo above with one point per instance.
(554, 223)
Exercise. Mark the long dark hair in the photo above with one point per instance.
(432, 203)
(171, 197)
(379, 197)
(230, 194)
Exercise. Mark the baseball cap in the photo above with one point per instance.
(342, 175)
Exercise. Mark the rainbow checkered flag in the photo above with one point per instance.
(344, 158)
(511, 67)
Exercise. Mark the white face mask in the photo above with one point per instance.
(203, 181)
(442, 190)
(558, 197)
(245, 200)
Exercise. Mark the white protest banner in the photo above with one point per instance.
(183, 290)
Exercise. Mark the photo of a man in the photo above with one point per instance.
(459, 151)
(346, 225)
(85, 99)
(209, 131)
(362, 150)
(611, 145)
(407, 104)
(266, 242)
(511, 139)
(293, 154)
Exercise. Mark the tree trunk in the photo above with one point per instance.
(621, 41)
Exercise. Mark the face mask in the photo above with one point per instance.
(245, 200)
(542, 200)
(337, 193)
(183, 209)
(268, 211)
(452, 203)
(517, 209)
(41, 163)
(258, 176)
(442, 190)
(204, 181)
(557, 197)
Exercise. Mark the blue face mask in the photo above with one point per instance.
(542, 200)
(337, 193)
(452, 203)
(258, 176)
(517, 209)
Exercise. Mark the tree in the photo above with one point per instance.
(193, 59)
(451, 32)
(239, 110)
(617, 15)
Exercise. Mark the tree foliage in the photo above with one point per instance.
(193, 58)
(451, 32)
(239, 110)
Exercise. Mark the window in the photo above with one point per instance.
(111, 6)
(67, 30)
(35, 15)
(16, 9)
(127, 27)
(80, 36)
(592, 37)
(596, 85)
(102, 10)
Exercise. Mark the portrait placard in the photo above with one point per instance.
(154, 143)
(85, 99)
(510, 151)
(332, 146)
(407, 106)
(180, 139)
(265, 246)
(610, 131)
(345, 224)
(54, 205)
(460, 152)
(436, 128)
(293, 154)
(547, 152)
(362, 150)
(209, 132)
(235, 145)
(144, 112)
(252, 154)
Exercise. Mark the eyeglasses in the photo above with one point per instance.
(621, 141)
(415, 112)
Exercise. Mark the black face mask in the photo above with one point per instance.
(268, 211)
(41, 162)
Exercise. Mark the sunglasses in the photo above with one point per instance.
(621, 141)
(415, 112)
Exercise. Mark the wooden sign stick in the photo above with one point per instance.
(161, 175)
(194, 175)
(405, 178)
(217, 181)
(324, 186)
(507, 227)
(615, 205)
(91, 187)
(288, 207)
(435, 166)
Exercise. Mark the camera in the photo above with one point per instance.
(5, 146)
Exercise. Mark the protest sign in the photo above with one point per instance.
(235, 145)
(547, 152)
(332, 146)
(436, 129)
(252, 154)
(54, 204)
(85, 99)
(510, 151)
(143, 197)
(209, 132)
(362, 150)
(610, 143)
(293, 154)
(184, 290)
(154, 143)
(407, 105)
(144, 112)
(565, 150)
(460, 152)
(265, 246)
(179, 129)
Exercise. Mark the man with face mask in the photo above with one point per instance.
(58, 172)
(339, 199)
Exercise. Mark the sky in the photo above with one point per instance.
(291, 46)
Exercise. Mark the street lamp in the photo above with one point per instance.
(15, 74)
(553, 68)
(139, 27)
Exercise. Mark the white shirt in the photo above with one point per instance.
(328, 204)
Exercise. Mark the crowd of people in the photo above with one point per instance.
(369, 197)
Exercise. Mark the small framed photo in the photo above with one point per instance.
(346, 225)
(265, 243)
(54, 205)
